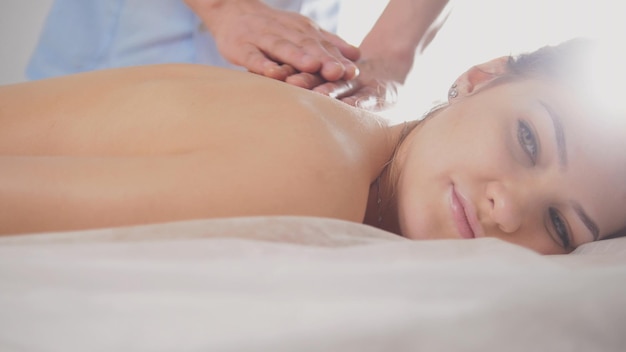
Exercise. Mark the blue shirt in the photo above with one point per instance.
(85, 35)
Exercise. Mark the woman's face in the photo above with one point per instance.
(521, 161)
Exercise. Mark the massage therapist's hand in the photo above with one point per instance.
(384, 64)
(273, 42)
(375, 88)
(388, 50)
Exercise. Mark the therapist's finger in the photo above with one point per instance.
(257, 62)
(305, 80)
(280, 72)
(311, 54)
(338, 89)
(371, 98)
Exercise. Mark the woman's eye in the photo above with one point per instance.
(560, 227)
(527, 140)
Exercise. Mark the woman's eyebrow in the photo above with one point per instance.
(589, 223)
(559, 134)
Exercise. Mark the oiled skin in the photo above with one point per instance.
(175, 142)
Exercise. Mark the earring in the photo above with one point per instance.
(452, 92)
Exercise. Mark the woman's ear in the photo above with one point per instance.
(480, 75)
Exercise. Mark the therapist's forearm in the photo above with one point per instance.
(403, 30)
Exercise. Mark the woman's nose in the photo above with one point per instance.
(506, 207)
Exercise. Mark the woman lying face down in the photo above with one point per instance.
(517, 154)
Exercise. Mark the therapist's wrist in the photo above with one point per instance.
(397, 65)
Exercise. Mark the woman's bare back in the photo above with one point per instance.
(174, 142)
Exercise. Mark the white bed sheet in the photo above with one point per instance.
(303, 284)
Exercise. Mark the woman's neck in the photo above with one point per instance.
(381, 209)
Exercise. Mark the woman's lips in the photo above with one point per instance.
(464, 215)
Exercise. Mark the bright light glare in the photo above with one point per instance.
(479, 30)
(608, 72)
